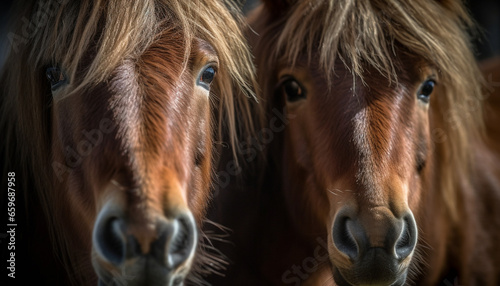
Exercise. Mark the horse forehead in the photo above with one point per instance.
(145, 108)
(365, 125)
(150, 101)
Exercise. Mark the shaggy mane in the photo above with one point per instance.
(366, 34)
(111, 31)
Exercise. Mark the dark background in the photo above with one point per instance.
(486, 13)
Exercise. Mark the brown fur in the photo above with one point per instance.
(361, 136)
(133, 64)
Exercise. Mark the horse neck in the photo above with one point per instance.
(35, 249)
(59, 259)
(453, 236)
(284, 244)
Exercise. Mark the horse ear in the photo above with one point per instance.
(278, 7)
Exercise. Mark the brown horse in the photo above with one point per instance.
(386, 175)
(109, 111)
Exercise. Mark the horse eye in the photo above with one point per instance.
(206, 77)
(56, 77)
(293, 90)
(426, 90)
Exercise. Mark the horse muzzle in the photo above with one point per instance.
(159, 252)
(373, 247)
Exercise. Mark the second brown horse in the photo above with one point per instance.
(383, 174)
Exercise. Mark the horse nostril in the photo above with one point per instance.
(343, 238)
(182, 244)
(110, 241)
(408, 238)
(171, 243)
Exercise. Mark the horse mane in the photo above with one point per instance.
(131, 28)
(366, 34)
(111, 31)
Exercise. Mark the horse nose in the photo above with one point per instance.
(171, 242)
(182, 244)
(407, 240)
(357, 236)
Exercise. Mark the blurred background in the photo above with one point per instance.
(486, 13)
